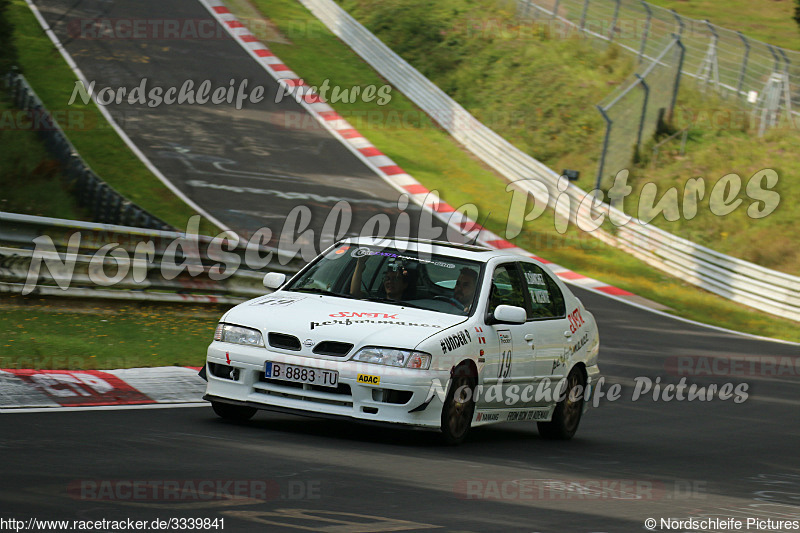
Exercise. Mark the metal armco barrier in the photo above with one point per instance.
(758, 287)
(105, 204)
(55, 257)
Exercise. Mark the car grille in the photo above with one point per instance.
(334, 348)
(283, 341)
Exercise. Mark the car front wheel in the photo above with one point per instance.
(459, 406)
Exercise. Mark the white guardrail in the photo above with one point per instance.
(743, 282)
(56, 257)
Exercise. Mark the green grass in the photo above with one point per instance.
(65, 334)
(539, 91)
(93, 137)
(32, 182)
(766, 20)
(713, 152)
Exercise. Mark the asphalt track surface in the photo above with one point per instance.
(631, 460)
(249, 167)
(635, 459)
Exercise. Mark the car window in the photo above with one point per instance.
(506, 287)
(546, 298)
(435, 282)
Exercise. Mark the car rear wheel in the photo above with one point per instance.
(459, 406)
(228, 411)
(567, 414)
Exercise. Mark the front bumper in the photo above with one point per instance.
(403, 396)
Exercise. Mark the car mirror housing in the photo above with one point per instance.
(273, 280)
(509, 314)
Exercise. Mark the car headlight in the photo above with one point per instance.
(393, 357)
(238, 335)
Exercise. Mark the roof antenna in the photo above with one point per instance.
(480, 230)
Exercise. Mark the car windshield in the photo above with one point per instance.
(427, 281)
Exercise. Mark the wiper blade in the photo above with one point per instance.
(394, 302)
(415, 306)
(379, 299)
(317, 290)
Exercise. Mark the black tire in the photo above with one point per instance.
(239, 413)
(459, 406)
(567, 414)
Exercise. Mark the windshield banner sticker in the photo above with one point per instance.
(363, 251)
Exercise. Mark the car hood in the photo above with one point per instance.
(314, 318)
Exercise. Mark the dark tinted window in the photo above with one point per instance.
(506, 287)
(545, 296)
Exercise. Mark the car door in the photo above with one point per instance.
(548, 323)
(509, 357)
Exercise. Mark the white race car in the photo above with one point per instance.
(428, 334)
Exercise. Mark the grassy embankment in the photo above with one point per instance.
(62, 333)
(27, 47)
(769, 21)
(539, 89)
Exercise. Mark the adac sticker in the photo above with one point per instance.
(368, 380)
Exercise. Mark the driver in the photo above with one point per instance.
(465, 287)
(397, 280)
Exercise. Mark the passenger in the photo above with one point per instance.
(465, 287)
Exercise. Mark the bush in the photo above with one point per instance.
(8, 54)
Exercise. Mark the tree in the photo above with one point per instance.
(8, 55)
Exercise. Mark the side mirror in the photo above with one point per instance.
(510, 314)
(273, 280)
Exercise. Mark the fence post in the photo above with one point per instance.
(602, 165)
(744, 62)
(614, 21)
(682, 55)
(583, 14)
(680, 21)
(787, 92)
(710, 61)
(646, 29)
(777, 65)
(644, 110)
(555, 9)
